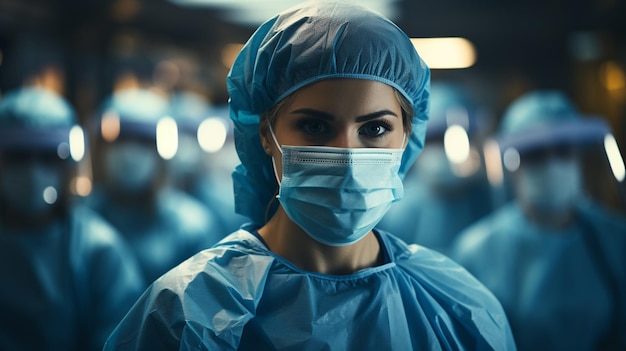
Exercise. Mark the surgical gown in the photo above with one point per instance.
(66, 286)
(240, 296)
(562, 290)
(163, 235)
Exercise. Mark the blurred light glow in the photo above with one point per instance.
(249, 12)
(167, 138)
(77, 143)
(125, 10)
(63, 151)
(456, 143)
(493, 165)
(445, 53)
(110, 126)
(612, 76)
(229, 53)
(511, 159)
(615, 157)
(82, 185)
(212, 134)
(468, 167)
(50, 195)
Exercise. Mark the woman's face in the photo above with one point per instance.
(346, 113)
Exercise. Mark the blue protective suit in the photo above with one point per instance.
(562, 290)
(434, 219)
(216, 192)
(66, 286)
(239, 295)
(163, 234)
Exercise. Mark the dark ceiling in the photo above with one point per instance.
(520, 45)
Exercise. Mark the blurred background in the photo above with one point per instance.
(578, 46)
(86, 49)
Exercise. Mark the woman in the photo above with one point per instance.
(324, 97)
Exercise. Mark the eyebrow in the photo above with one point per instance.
(327, 116)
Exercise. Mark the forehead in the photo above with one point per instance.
(349, 97)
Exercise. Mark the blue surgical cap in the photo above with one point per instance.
(35, 118)
(303, 45)
(189, 109)
(450, 104)
(545, 118)
(139, 111)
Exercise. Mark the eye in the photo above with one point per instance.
(375, 128)
(312, 126)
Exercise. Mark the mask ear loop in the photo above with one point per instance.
(276, 196)
(281, 152)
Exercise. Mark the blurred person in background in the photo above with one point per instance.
(68, 275)
(164, 226)
(206, 156)
(446, 189)
(555, 257)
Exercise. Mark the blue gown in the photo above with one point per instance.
(65, 286)
(560, 290)
(163, 236)
(240, 296)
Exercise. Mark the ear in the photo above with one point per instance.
(265, 143)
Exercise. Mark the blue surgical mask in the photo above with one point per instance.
(552, 186)
(131, 166)
(188, 159)
(31, 188)
(433, 167)
(337, 195)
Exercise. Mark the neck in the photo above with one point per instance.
(288, 240)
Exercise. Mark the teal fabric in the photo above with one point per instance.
(559, 291)
(240, 296)
(67, 284)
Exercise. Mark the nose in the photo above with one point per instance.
(346, 139)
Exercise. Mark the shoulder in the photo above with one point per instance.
(232, 256)
(501, 225)
(189, 214)
(437, 272)
(90, 227)
(182, 206)
(432, 268)
(604, 220)
(227, 280)
(458, 292)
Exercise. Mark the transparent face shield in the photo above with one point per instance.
(66, 147)
(558, 175)
(451, 161)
